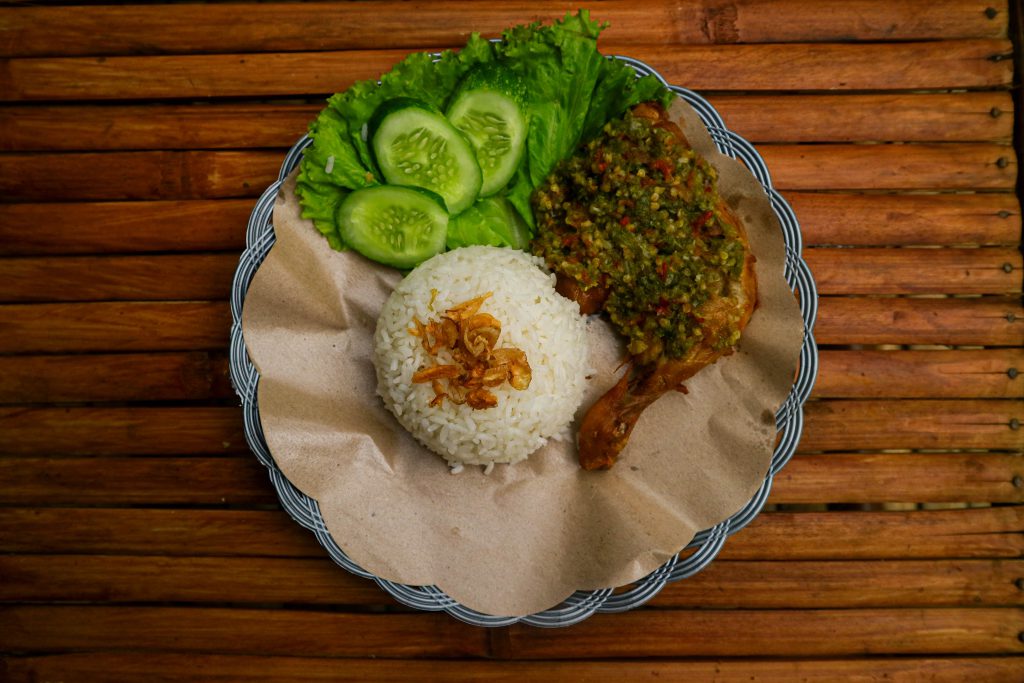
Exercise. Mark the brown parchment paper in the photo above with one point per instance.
(525, 537)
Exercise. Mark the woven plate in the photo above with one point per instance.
(789, 418)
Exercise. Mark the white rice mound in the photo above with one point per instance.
(534, 318)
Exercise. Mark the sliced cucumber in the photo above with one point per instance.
(397, 226)
(415, 145)
(487, 109)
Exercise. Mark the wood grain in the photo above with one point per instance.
(135, 481)
(723, 585)
(157, 126)
(209, 276)
(142, 377)
(974, 116)
(88, 176)
(781, 585)
(712, 633)
(991, 321)
(124, 227)
(140, 578)
(159, 430)
(131, 667)
(242, 481)
(167, 326)
(328, 26)
(203, 375)
(139, 175)
(657, 633)
(115, 326)
(904, 117)
(982, 533)
(915, 271)
(988, 373)
(35, 629)
(907, 219)
(207, 225)
(946, 166)
(104, 278)
(872, 424)
(906, 477)
(799, 66)
(962, 533)
(828, 425)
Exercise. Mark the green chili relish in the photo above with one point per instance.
(636, 211)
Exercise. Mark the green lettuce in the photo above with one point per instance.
(571, 90)
(491, 221)
(338, 132)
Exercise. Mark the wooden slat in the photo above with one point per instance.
(914, 271)
(871, 424)
(29, 629)
(907, 477)
(164, 326)
(167, 326)
(202, 225)
(905, 117)
(114, 326)
(147, 126)
(180, 532)
(124, 227)
(988, 373)
(132, 278)
(172, 376)
(132, 667)
(208, 276)
(907, 219)
(654, 633)
(983, 533)
(724, 584)
(833, 478)
(201, 375)
(962, 533)
(782, 585)
(119, 431)
(328, 26)
(988, 321)
(973, 116)
(223, 174)
(138, 481)
(127, 578)
(139, 175)
(711, 633)
(946, 166)
(829, 425)
(804, 66)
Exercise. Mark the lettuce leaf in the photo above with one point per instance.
(491, 221)
(560, 64)
(617, 90)
(338, 131)
(320, 190)
(571, 91)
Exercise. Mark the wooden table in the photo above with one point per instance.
(141, 541)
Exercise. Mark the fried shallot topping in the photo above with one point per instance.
(470, 338)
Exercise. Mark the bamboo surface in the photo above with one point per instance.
(141, 540)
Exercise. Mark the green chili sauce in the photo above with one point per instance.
(638, 213)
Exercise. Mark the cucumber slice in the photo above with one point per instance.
(487, 109)
(415, 145)
(397, 226)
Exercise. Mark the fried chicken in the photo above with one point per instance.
(636, 228)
